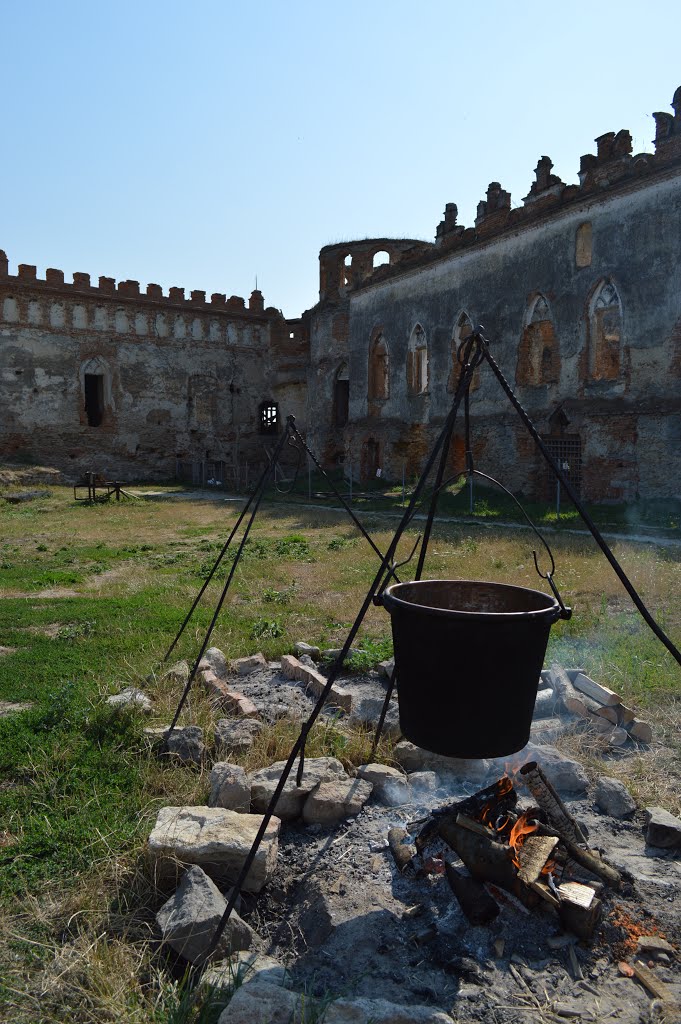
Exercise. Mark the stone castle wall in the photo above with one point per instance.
(578, 291)
(178, 378)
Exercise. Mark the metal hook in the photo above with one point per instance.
(392, 571)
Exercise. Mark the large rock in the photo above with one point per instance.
(215, 660)
(235, 736)
(330, 802)
(663, 828)
(262, 1002)
(613, 798)
(230, 787)
(215, 838)
(380, 1011)
(293, 797)
(189, 919)
(244, 967)
(390, 784)
(301, 648)
(130, 697)
(186, 744)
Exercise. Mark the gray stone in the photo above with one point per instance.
(386, 668)
(293, 797)
(235, 735)
(319, 918)
(229, 787)
(131, 697)
(18, 497)
(186, 743)
(302, 648)
(613, 798)
(330, 802)
(390, 784)
(189, 918)
(367, 711)
(246, 666)
(331, 653)
(415, 759)
(155, 735)
(563, 772)
(261, 1002)
(177, 673)
(664, 830)
(305, 659)
(215, 660)
(216, 839)
(380, 1011)
(423, 784)
(242, 968)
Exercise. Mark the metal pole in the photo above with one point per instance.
(404, 466)
(309, 480)
(557, 499)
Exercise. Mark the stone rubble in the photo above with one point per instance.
(131, 697)
(216, 839)
(246, 666)
(664, 829)
(390, 785)
(235, 736)
(188, 920)
(292, 799)
(230, 787)
(613, 798)
(178, 673)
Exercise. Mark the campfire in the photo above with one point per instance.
(537, 858)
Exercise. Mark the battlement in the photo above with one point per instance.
(612, 169)
(108, 288)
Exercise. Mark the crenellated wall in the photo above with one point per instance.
(167, 376)
(579, 291)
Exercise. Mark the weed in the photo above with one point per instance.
(294, 546)
(273, 596)
(267, 629)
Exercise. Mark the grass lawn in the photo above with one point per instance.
(90, 598)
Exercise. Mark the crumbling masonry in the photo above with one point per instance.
(578, 290)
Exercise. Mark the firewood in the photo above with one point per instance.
(475, 826)
(402, 851)
(641, 731)
(653, 984)
(610, 714)
(476, 903)
(602, 694)
(586, 858)
(580, 919)
(626, 715)
(497, 799)
(533, 855)
(575, 892)
(618, 737)
(545, 893)
(575, 964)
(486, 859)
(549, 801)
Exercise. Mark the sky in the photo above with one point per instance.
(205, 145)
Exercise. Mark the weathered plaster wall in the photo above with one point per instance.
(182, 378)
(618, 230)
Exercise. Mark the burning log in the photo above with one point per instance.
(476, 903)
(549, 801)
(486, 805)
(486, 859)
(533, 856)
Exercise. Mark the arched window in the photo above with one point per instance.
(538, 356)
(380, 258)
(341, 396)
(462, 330)
(379, 369)
(605, 324)
(417, 362)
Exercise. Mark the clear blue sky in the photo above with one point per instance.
(201, 144)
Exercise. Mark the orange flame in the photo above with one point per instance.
(520, 830)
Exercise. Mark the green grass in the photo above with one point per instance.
(79, 787)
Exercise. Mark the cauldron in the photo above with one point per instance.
(468, 656)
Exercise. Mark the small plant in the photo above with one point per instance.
(293, 546)
(75, 630)
(267, 629)
(273, 596)
(41, 547)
